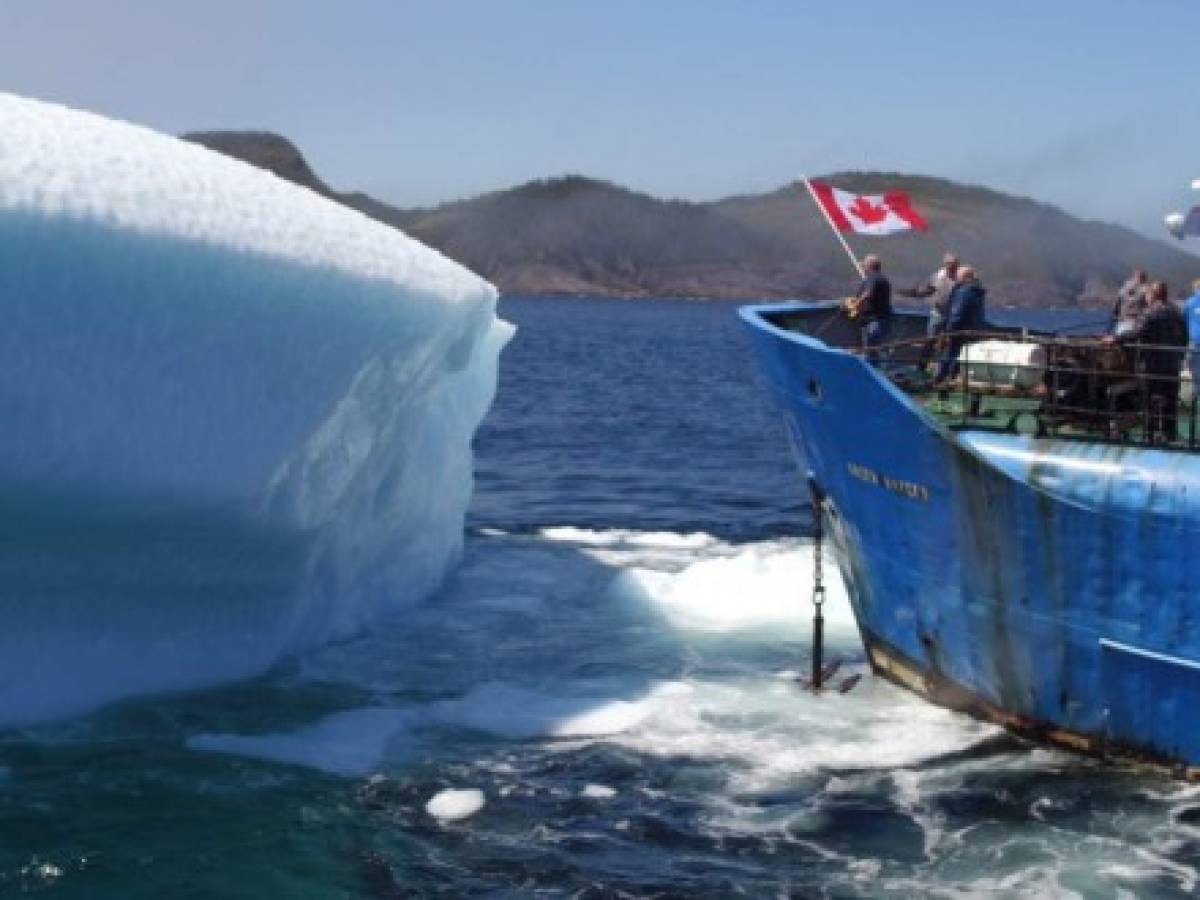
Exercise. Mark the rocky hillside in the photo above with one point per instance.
(575, 235)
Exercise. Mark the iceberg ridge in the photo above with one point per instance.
(237, 416)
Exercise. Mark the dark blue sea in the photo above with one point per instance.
(600, 702)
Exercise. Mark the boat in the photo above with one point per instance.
(1021, 549)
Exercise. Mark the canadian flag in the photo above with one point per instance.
(867, 213)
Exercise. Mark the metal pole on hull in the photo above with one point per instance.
(818, 599)
(821, 673)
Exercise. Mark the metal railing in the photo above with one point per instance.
(1079, 388)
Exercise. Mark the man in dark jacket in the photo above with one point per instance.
(1159, 344)
(966, 314)
(874, 297)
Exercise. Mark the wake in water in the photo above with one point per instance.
(602, 711)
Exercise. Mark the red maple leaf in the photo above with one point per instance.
(867, 212)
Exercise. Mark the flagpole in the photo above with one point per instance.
(833, 227)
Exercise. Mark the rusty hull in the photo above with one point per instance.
(1048, 585)
(939, 690)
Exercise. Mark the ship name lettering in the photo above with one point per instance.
(862, 473)
(909, 489)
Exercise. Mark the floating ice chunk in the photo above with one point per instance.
(513, 712)
(624, 549)
(610, 717)
(41, 872)
(451, 805)
(237, 415)
(346, 743)
(617, 537)
(598, 792)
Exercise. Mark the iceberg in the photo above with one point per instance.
(235, 416)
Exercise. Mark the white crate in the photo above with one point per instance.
(1003, 364)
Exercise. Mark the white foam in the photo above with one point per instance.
(618, 538)
(784, 761)
(911, 797)
(452, 805)
(354, 742)
(510, 711)
(754, 587)
(762, 721)
(598, 792)
(346, 743)
(775, 731)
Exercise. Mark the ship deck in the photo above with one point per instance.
(1082, 388)
(965, 411)
(1087, 391)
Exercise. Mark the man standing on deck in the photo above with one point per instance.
(966, 314)
(937, 287)
(1133, 301)
(874, 300)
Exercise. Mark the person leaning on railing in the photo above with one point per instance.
(936, 288)
(1159, 341)
(965, 315)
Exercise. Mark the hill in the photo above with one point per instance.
(576, 235)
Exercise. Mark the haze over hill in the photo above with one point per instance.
(576, 235)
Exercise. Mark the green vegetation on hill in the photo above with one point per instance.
(576, 235)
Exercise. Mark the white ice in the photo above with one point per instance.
(451, 805)
(237, 415)
(347, 743)
(515, 712)
(703, 590)
(711, 593)
(598, 792)
(724, 700)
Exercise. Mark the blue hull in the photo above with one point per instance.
(1049, 585)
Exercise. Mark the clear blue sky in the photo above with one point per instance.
(1094, 106)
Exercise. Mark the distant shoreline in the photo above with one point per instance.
(577, 236)
(1098, 305)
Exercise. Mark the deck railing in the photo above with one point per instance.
(1081, 388)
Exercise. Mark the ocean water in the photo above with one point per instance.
(601, 702)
